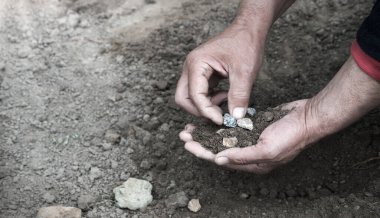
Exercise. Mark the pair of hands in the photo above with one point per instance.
(237, 56)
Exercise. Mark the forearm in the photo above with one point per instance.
(258, 15)
(348, 96)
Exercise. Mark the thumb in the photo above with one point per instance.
(239, 93)
(242, 156)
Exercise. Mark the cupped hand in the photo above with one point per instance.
(235, 54)
(278, 144)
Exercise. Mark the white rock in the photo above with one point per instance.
(194, 205)
(59, 212)
(245, 123)
(230, 142)
(133, 194)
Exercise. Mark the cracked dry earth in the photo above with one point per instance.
(86, 102)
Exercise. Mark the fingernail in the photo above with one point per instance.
(221, 160)
(238, 112)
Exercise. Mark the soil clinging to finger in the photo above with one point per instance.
(211, 136)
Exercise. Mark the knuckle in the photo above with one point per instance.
(192, 57)
(178, 99)
(239, 94)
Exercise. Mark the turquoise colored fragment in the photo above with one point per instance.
(229, 120)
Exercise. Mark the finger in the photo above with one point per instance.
(219, 97)
(239, 93)
(200, 152)
(252, 168)
(182, 95)
(243, 156)
(198, 91)
(185, 135)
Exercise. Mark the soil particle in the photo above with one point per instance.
(194, 205)
(111, 136)
(230, 142)
(176, 200)
(95, 173)
(59, 212)
(162, 84)
(85, 201)
(48, 197)
(213, 138)
(268, 116)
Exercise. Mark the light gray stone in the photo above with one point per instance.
(111, 136)
(245, 123)
(176, 200)
(59, 212)
(133, 194)
(194, 205)
(48, 197)
(230, 142)
(86, 201)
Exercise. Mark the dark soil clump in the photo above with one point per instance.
(211, 136)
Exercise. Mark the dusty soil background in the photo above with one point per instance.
(72, 71)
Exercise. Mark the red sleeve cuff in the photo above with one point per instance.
(368, 64)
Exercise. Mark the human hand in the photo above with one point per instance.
(347, 97)
(278, 144)
(235, 54)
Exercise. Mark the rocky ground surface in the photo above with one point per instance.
(86, 102)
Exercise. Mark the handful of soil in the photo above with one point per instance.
(218, 138)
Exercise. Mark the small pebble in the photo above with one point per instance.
(112, 137)
(194, 205)
(245, 123)
(48, 197)
(230, 142)
(85, 201)
(244, 196)
(229, 121)
(269, 116)
(220, 131)
(59, 211)
(177, 200)
(251, 111)
(107, 146)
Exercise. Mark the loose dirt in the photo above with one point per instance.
(70, 81)
(211, 136)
